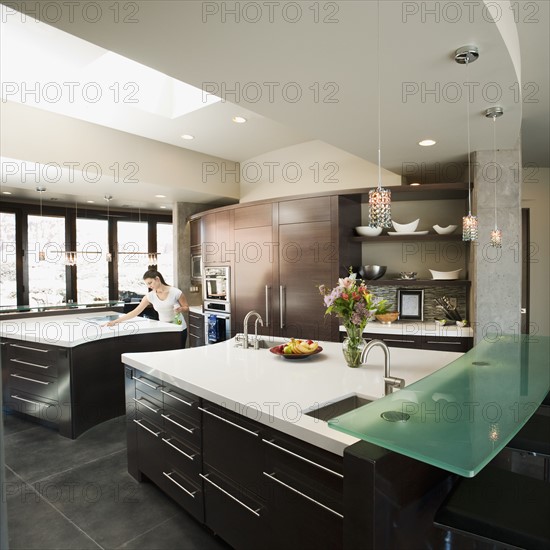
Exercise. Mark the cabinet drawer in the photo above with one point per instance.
(185, 491)
(38, 407)
(232, 445)
(149, 385)
(148, 406)
(33, 383)
(33, 358)
(316, 209)
(182, 401)
(179, 454)
(397, 340)
(181, 426)
(292, 464)
(149, 448)
(234, 514)
(447, 344)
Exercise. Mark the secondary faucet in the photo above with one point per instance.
(246, 319)
(390, 382)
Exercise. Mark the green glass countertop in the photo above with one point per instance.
(53, 307)
(464, 414)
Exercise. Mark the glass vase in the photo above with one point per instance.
(353, 345)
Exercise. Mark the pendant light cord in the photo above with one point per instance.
(468, 126)
(495, 165)
(379, 87)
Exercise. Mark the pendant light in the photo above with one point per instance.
(496, 233)
(108, 256)
(70, 255)
(465, 56)
(379, 198)
(41, 253)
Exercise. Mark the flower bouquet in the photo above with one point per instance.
(355, 305)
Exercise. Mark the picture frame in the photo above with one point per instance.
(410, 304)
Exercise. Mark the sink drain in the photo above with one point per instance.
(395, 416)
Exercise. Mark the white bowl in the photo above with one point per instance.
(445, 275)
(445, 230)
(406, 227)
(366, 231)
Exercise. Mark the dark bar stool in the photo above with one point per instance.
(499, 507)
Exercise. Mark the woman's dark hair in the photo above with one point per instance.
(153, 274)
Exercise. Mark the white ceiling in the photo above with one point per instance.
(327, 52)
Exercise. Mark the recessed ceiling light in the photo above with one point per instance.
(239, 119)
(90, 202)
(160, 196)
(6, 192)
(414, 184)
(163, 206)
(427, 142)
(187, 136)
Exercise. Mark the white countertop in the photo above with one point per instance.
(276, 391)
(418, 328)
(78, 328)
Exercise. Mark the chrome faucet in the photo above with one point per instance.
(390, 382)
(246, 319)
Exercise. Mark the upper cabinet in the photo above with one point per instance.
(217, 238)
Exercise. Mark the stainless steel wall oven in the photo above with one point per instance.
(216, 305)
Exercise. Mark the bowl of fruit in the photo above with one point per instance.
(297, 349)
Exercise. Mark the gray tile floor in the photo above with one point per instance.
(77, 494)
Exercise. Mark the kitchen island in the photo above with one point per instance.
(64, 370)
(236, 436)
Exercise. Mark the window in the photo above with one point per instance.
(46, 260)
(8, 283)
(92, 268)
(165, 248)
(132, 258)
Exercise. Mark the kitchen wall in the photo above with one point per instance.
(536, 196)
(310, 167)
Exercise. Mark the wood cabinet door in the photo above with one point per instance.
(254, 269)
(217, 242)
(307, 255)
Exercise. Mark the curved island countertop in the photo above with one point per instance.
(279, 392)
(77, 328)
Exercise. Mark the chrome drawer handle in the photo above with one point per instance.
(29, 348)
(190, 457)
(153, 386)
(229, 422)
(30, 364)
(444, 342)
(272, 476)
(270, 442)
(255, 512)
(27, 400)
(396, 340)
(177, 398)
(169, 476)
(167, 416)
(30, 379)
(156, 434)
(143, 401)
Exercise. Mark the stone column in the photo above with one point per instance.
(496, 272)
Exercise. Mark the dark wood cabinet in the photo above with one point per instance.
(217, 238)
(439, 343)
(196, 329)
(305, 502)
(164, 439)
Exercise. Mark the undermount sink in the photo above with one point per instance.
(336, 408)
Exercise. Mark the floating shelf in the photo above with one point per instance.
(419, 282)
(388, 238)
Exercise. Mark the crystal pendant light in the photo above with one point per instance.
(108, 256)
(496, 233)
(41, 253)
(379, 198)
(465, 56)
(70, 255)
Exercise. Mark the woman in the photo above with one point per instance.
(168, 301)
